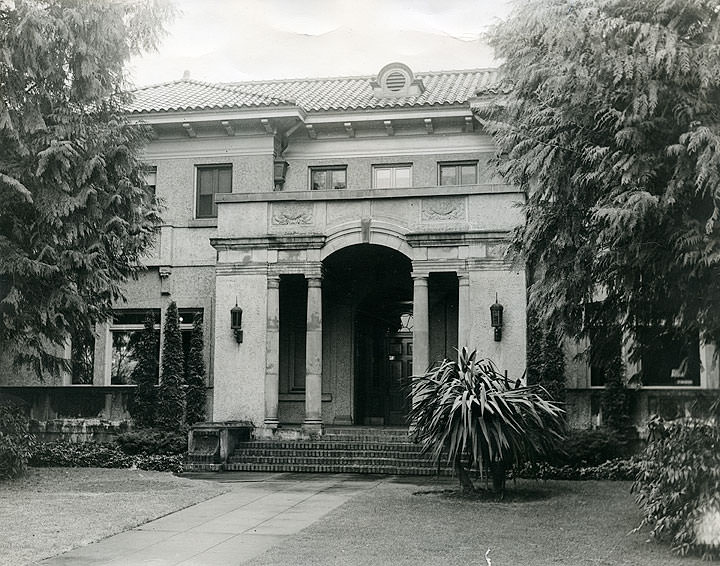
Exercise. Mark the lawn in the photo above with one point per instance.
(542, 524)
(52, 510)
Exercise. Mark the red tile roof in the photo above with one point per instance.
(312, 95)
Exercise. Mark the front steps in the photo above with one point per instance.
(364, 450)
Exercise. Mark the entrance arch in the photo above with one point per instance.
(367, 303)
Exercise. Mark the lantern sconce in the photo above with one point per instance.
(496, 319)
(236, 322)
(280, 172)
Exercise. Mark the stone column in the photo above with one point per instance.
(463, 310)
(421, 333)
(313, 355)
(709, 378)
(272, 352)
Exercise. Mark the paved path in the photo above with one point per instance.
(260, 511)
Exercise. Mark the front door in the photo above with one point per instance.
(399, 349)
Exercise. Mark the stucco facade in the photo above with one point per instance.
(344, 291)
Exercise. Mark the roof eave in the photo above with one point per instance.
(215, 114)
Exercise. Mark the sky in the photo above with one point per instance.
(236, 40)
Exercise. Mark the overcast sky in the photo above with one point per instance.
(231, 40)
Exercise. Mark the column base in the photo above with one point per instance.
(271, 423)
(313, 427)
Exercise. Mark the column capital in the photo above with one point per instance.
(463, 279)
(420, 278)
(273, 282)
(314, 281)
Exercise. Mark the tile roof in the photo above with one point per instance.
(312, 95)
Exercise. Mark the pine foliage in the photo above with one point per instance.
(608, 117)
(545, 359)
(145, 376)
(76, 216)
(195, 395)
(171, 395)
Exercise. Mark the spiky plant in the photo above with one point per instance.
(475, 415)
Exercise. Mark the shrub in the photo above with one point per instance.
(678, 485)
(615, 470)
(586, 448)
(15, 442)
(545, 358)
(171, 400)
(475, 414)
(152, 442)
(99, 455)
(145, 376)
(195, 394)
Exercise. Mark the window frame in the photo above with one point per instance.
(325, 169)
(206, 167)
(392, 167)
(457, 164)
(131, 327)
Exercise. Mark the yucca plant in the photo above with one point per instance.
(477, 417)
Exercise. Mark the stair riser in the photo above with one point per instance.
(337, 469)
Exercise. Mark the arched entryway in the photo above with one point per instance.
(367, 304)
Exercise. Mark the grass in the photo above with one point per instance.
(52, 510)
(538, 524)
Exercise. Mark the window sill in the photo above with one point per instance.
(326, 397)
(203, 223)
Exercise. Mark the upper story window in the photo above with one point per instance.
(326, 178)
(458, 173)
(392, 176)
(211, 179)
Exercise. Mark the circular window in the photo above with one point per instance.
(395, 81)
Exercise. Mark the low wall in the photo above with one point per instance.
(78, 430)
(48, 403)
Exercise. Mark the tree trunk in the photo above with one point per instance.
(463, 476)
(497, 469)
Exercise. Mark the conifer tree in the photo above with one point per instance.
(195, 394)
(76, 216)
(171, 395)
(608, 115)
(145, 376)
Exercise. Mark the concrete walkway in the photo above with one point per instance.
(260, 511)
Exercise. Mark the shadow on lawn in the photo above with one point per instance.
(519, 494)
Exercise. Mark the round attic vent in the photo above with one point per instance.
(396, 81)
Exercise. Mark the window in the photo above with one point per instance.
(211, 179)
(392, 176)
(127, 332)
(668, 357)
(82, 357)
(151, 179)
(459, 173)
(605, 342)
(326, 178)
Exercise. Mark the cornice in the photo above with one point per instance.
(278, 242)
(366, 194)
(443, 239)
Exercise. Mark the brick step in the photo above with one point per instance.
(327, 445)
(333, 460)
(338, 469)
(323, 452)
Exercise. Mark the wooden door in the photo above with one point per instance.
(399, 369)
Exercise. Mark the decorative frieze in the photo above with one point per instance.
(439, 209)
(292, 214)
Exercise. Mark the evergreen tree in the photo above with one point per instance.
(145, 376)
(171, 396)
(608, 117)
(76, 216)
(545, 358)
(195, 394)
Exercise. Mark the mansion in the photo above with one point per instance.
(336, 235)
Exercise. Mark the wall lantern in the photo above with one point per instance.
(280, 171)
(236, 323)
(496, 319)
